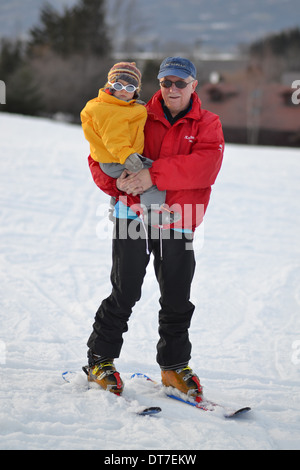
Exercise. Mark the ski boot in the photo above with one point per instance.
(184, 380)
(105, 374)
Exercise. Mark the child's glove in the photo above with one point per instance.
(134, 163)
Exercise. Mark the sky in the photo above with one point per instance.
(213, 25)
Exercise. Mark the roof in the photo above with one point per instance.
(246, 104)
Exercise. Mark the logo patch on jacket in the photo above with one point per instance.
(190, 138)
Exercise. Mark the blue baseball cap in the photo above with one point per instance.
(177, 66)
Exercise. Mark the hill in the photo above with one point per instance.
(54, 271)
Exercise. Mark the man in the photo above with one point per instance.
(186, 145)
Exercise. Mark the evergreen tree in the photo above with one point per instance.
(23, 95)
(279, 44)
(22, 90)
(91, 31)
(78, 30)
(11, 57)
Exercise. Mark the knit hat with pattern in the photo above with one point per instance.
(126, 71)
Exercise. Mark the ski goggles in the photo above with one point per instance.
(179, 84)
(119, 86)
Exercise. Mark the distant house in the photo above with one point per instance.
(255, 112)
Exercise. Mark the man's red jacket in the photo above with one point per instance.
(187, 157)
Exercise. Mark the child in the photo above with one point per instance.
(113, 123)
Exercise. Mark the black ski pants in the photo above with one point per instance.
(174, 264)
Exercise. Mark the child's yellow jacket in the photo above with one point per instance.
(114, 128)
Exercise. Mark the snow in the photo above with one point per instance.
(55, 258)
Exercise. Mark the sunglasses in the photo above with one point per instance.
(118, 87)
(179, 84)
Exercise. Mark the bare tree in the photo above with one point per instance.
(127, 25)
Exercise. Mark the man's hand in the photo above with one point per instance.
(120, 183)
(134, 183)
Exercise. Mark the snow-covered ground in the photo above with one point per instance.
(55, 257)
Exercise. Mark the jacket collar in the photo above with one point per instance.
(155, 109)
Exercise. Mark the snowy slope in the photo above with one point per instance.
(55, 263)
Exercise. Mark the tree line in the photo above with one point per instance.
(283, 44)
(67, 56)
(277, 53)
(62, 64)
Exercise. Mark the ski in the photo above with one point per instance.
(207, 405)
(70, 376)
(204, 405)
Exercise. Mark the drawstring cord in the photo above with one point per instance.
(146, 233)
(147, 239)
(160, 242)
